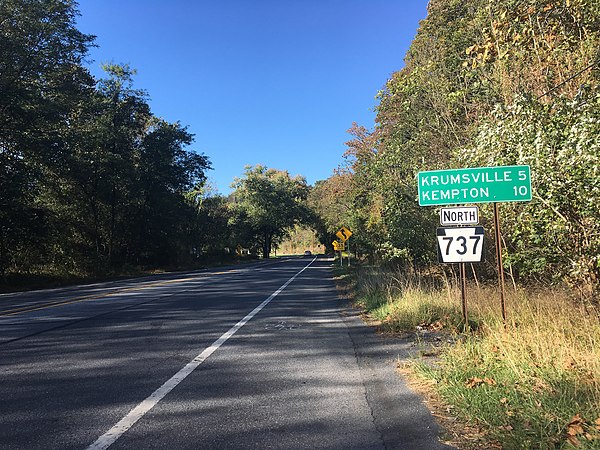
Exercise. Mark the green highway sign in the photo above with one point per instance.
(475, 185)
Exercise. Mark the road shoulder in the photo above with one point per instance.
(399, 413)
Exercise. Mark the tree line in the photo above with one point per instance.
(93, 183)
(508, 82)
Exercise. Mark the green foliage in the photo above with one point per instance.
(91, 182)
(330, 204)
(123, 186)
(558, 233)
(535, 46)
(486, 84)
(41, 80)
(299, 239)
(268, 203)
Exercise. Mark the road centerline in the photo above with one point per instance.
(108, 438)
(125, 290)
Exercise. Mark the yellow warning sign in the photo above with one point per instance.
(344, 234)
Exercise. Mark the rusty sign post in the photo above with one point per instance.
(499, 260)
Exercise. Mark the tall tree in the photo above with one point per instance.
(128, 177)
(492, 83)
(41, 82)
(100, 178)
(331, 201)
(168, 171)
(272, 202)
(212, 236)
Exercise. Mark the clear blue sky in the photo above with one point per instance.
(273, 82)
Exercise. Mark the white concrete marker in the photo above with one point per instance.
(108, 438)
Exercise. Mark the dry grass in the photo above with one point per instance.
(533, 382)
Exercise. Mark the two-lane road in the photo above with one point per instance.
(254, 356)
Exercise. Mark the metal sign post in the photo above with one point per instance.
(461, 245)
(463, 294)
(499, 260)
(348, 241)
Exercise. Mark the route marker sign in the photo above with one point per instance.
(460, 245)
(343, 234)
(459, 215)
(338, 246)
(475, 185)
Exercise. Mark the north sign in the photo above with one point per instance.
(459, 215)
(474, 185)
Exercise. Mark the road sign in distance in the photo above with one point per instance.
(344, 234)
(338, 246)
(476, 185)
(459, 215)
(460, 245)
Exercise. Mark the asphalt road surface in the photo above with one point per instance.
(262, 356)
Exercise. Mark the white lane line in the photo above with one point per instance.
(108, 438)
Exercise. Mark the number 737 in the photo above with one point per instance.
(462, 241)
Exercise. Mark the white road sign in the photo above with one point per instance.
(459, 215)
(460, 245)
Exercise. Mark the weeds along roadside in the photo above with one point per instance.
(532, 383)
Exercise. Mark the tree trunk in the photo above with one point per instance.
(267, 243)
